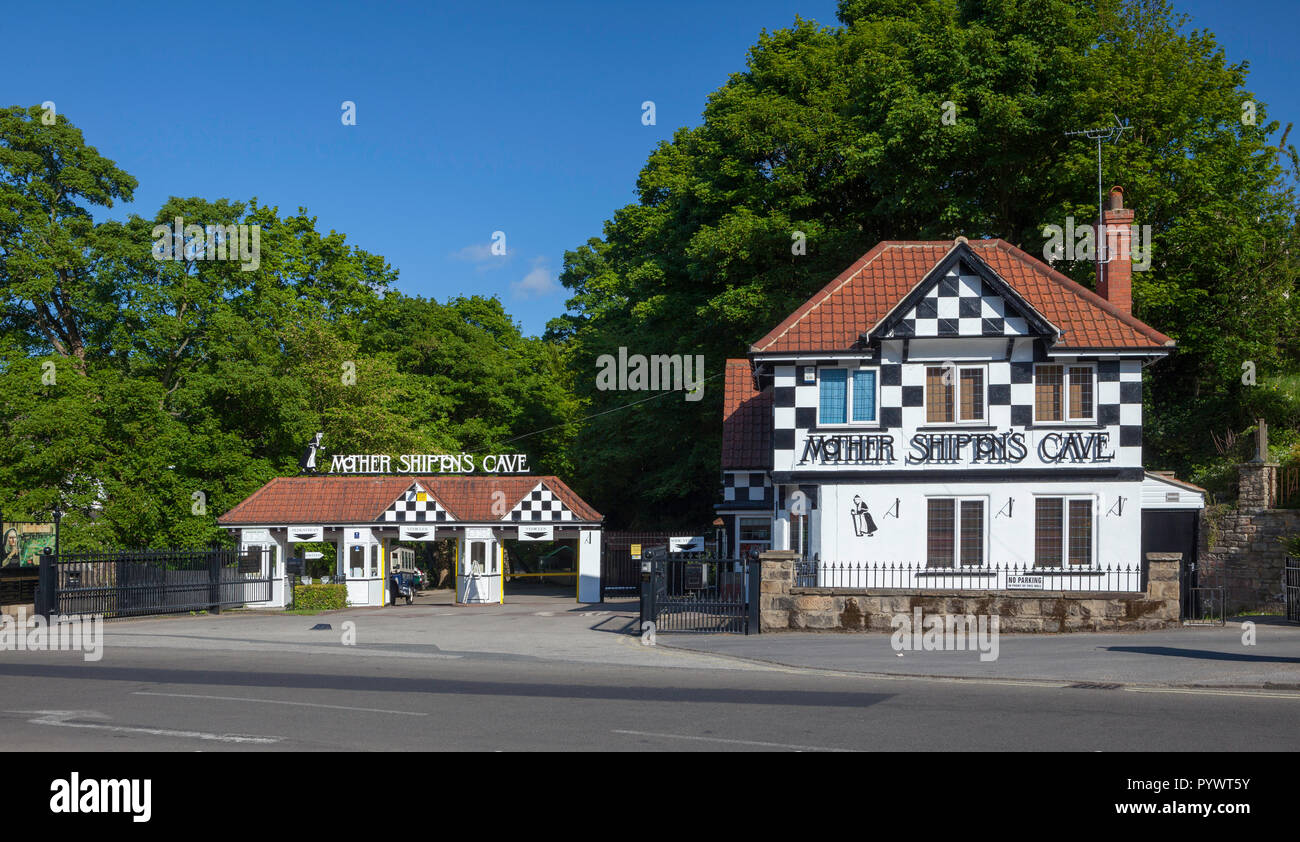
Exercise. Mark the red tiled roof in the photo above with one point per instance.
(746, 420)
(362, 499)
(863, 294)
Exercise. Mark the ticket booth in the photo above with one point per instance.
(361, 562)
(479, 564)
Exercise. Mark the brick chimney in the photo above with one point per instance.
(1115, 269)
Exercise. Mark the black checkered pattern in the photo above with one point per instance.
(746, 487)
(540, 504)
(1010, 404)
(961, 305)
(410, 509)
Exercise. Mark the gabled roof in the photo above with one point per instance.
(356, 500)
(746, 420)
(836, 317)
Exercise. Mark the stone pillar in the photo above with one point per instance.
(774, 600)
(1255, 484)
(1164, 584)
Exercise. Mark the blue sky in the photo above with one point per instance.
(472, 118)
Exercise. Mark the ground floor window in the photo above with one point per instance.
(753, 534)
(1063, 531)
(955, 531)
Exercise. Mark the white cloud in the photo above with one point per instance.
(540, 281)
(480, 254)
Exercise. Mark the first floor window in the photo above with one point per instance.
(954, 394)
(954, 532)
(847, 396)
(1064, 393)
(1063, 531)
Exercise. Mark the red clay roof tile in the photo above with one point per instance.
(835, 317)
(746, 420)
(363, 499)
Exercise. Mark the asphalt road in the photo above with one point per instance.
(160, 698)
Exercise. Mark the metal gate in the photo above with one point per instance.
(1203, 596)
(701, 595)
(140, 582)
(1291, 584)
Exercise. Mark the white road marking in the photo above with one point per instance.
(731, 742)
(276, 702)
(1209, 691)
(60, 717)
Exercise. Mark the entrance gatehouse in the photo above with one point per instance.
(483, 519)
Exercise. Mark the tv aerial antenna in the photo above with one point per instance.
(1111, 133)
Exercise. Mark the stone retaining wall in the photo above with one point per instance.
(1242, 545)
(784, 607)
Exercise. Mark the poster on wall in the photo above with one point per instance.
(24, 543)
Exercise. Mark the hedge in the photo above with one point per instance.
(320, 597)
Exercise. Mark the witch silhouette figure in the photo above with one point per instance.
(863, 524)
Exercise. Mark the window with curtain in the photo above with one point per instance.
(941, 522)
(972, 394)
(972, 532)
(1081, 390)
(938, 395)
(864, 395)
(1048, 531)
(834, 396)
(1048, 381)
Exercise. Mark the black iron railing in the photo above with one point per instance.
(869, 575)
(137, 582)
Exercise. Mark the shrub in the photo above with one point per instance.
(320, 597)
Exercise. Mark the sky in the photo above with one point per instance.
(470, 118)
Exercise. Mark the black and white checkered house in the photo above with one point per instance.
(945, 405)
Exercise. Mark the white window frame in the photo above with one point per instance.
(957, 389)
(848, 396)
(1066, 420)
(956, 526)
(1065, 531)
(770, 530)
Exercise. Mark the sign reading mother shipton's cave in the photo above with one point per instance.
(956, 448)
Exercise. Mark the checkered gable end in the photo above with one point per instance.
(961, 305)
(540, 504)
(416, 505)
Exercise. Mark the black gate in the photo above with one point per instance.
(701, 595)
(1291, 584)
(140, 582)
(1203, 596)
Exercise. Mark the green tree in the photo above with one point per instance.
(838, 133)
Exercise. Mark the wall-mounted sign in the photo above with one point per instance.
(955, 448)
(537, 532)
(692, 544)
(306, 534)
(256, 536)
(478, 533)
(415, 532)
(429, 463)
(1024, 583)
(636, 552)
(25, 543)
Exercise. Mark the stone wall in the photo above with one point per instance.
(1242, 545)
(784, 607)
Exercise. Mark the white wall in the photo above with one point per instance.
(1117, 534)
(589, 565)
